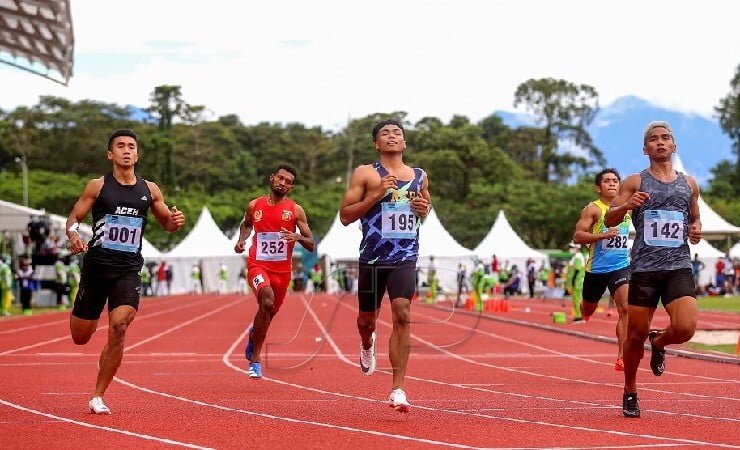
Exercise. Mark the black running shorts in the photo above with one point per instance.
(98, 286)
(594, 284)
(373, 280)
(647, 288)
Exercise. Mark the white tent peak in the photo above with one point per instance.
(713, 225)
(435, 240)
(505, 243)
(341, 242)
(205, 239)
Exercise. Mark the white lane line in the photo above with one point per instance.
(104, 327)
(343, 358)
(100, 427)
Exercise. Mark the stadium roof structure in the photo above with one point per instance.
(37, 36)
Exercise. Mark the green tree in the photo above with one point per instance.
(564, 110)
(729, 119)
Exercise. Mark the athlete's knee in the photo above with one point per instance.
(684, 331)
(81, 338)
(401, 316)
(366, 321)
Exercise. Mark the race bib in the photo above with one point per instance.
(399, 222)
(122, 233)
(663, 228)
(271, 247)
(616, 243)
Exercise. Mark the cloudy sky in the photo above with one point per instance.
(321, 62)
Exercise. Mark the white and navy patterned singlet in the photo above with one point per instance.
(390, 229)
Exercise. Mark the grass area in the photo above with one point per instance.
(720, 303)
(16, 310)
(723, 348)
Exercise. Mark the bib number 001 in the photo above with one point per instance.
(122, 233)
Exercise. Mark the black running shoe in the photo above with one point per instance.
(657, 358)
(630, 405)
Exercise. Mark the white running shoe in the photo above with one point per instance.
(97, 406)
(398, 401)
(367, 357)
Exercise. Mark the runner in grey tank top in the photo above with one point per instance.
(662, 225)
(665, 212)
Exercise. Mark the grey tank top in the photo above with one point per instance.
(662, 225)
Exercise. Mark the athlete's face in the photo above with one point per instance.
(390, 139)
(609, 186)
(659, 144)
(282, 182)
(124, 151)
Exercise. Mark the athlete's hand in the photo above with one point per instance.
(288, 235)
(610, 233)
(239, 247)
(637, 199)
(76, 244)
(695, 233)
(420, 206)
(177, 218)
(386, 183)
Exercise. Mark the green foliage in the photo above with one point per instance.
(475, 169)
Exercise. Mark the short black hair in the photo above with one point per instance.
(122, 132)
(288, 168)
(600, 175)
(381, 124)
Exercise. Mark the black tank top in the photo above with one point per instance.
(119, 220)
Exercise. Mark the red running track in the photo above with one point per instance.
(474, 382)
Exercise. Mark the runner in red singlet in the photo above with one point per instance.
(274, 218)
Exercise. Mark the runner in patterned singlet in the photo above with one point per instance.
(390, 198)
(665, 212)
(608, 257)
(119, 202)
(274, 219)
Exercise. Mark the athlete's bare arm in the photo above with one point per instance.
(80, 210)
(629, 198)
(305, 237)
(589, 216)
(694, 214)
(245, 228)
(421, 204)
(366, 188)
(170, 219)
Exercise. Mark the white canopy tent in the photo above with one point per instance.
(435, 241)
(341, 243)
(712, 224)
(735, 251)
(707, 255)
(506, 244)
(207, 246)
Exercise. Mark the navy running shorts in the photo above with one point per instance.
(594, 284)
(647, 288)
(98, 286)
(373, 280)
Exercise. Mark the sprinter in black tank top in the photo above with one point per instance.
(119, 202)
(665, 212)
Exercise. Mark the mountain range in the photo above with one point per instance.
(617, 130)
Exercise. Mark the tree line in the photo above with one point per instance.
(475, 168)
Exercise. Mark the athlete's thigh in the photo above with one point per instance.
(279, 282)
(125, 290)
(91, 295)
(594, 286)
(402, 281)
(679, 283)
(645, 289)
(371, 286)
